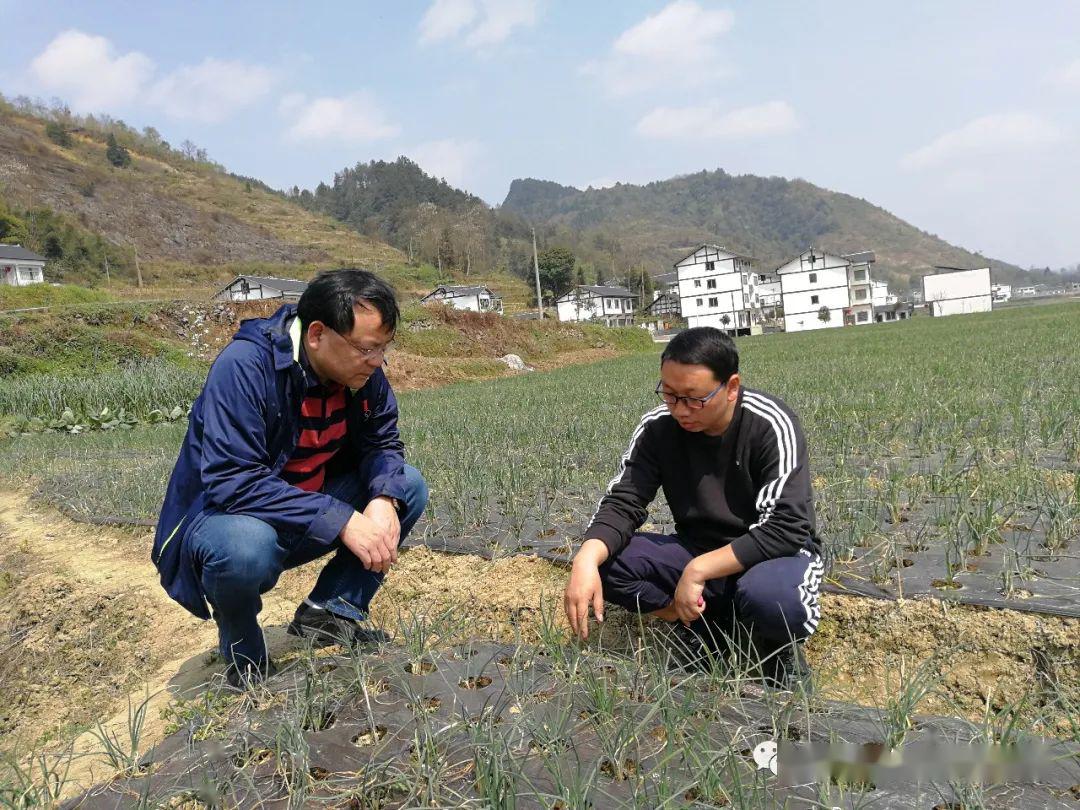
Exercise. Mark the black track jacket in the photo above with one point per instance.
(749, 488)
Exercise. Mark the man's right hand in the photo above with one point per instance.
(584, 590)
(370, 542)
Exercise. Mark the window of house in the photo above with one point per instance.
(711, 284)
(860, 275)
(710, 266)
(862, 317)
(697, 282)
(860, 295)
(813, 278)
(813, 299)
(699, 302)
(714, 302)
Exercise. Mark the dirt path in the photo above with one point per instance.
(92, 630)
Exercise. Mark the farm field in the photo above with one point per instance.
(944, 453)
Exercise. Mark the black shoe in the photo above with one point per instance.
(325, 628)
(690, 651)
(246, 675)
(785, 668)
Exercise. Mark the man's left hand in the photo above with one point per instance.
(382, 511)
(689, 602)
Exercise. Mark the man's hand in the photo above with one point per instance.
(584, 590)
(689, 603)
(382, 511)
(371, 542)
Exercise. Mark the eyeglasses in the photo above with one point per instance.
(693, 403)
(382, 350)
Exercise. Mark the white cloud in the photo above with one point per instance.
(445, 19)
(450, 159)
(211, 90)
(990, 135)
(678, 46)
(89, 74)
(352, 118)
(483, 23)
(710, 121)
(1067, 77)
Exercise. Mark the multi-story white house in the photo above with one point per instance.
(612, 306)
(19, 266)
(474, 298)
(822, 290)
(954, 291)
(716, 288)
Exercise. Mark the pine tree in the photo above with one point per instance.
(116, 154)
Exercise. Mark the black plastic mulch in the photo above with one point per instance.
(351, 753)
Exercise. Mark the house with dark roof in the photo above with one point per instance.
(20, 267)
(611, 306)
(257, 288)
(472, 298)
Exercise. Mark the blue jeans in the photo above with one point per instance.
(240, 558)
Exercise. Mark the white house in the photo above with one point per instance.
(880, 295)
(256, 288)
(957, 292)
(821, 290)
(1000, 293)
(20, 267)
(613, 306)
(716, 288)
(474, 299)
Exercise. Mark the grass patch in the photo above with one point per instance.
(48, 295)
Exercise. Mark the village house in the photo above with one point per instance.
(20, 267)
(1000, 293)
(716, 289)
(612, 306)
(665, 310)
(955, 291)
(821, 290)
(471, 298)
(257, 288)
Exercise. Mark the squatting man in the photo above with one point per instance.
(744, 563)
(292, 453)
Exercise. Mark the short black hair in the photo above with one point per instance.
(704, 346)
(330, 298)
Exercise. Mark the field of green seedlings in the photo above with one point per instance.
(944, 455)
(949, 435)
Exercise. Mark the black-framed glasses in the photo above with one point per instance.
(383, 350)
(693, 403)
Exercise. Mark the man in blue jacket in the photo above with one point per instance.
(292, 452)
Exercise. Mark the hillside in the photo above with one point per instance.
(771, 219)
(188, 220)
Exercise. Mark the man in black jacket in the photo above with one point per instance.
(733, 466)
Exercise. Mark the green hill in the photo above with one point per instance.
(770, 218)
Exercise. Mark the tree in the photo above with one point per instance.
(824, 315)
(556, 270)
(116, 154)
(12, 228)
(56, 133)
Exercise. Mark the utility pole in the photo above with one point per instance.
(108, 282)
(138, 269)
(536, 272)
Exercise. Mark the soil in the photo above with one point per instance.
(89, 629)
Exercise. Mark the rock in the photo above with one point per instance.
(515, 363)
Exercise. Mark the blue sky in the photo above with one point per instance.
(961, 117)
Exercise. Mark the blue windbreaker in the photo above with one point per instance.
(243, 428)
